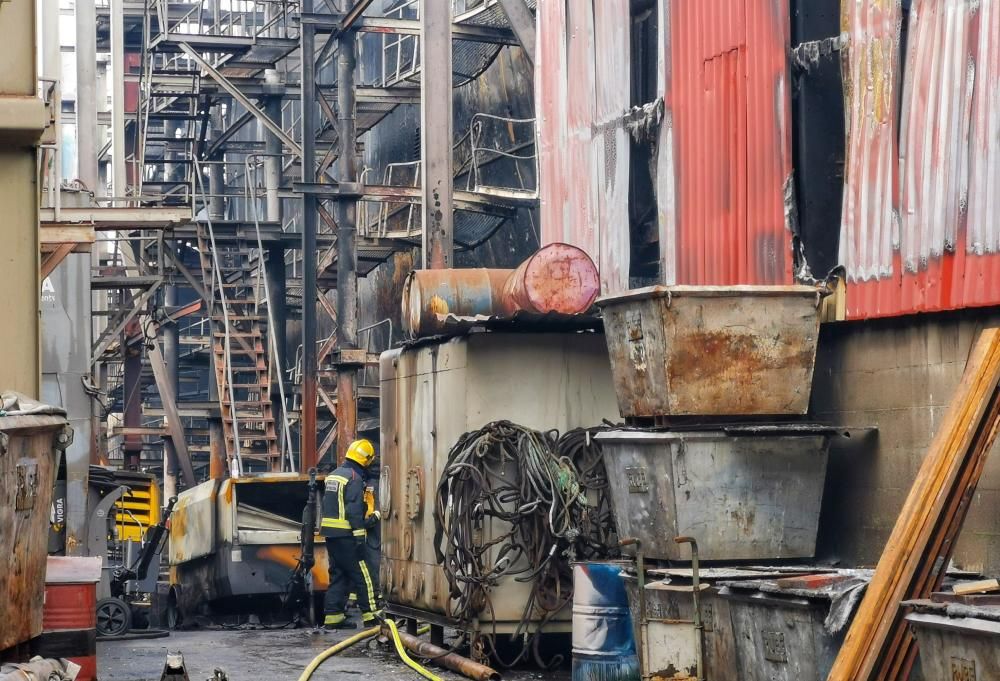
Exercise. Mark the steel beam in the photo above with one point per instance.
(171, 345)
(86, 94)
(329, 23)
(169, 399)
(345, 215)
(522, 21)
(245, 101)
(310, 220)
(436, 137)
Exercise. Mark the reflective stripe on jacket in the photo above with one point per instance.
(343, 502)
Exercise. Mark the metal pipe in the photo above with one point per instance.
(272, 162)
(445, 658)
(347, 256)
(310, 220)
(699, 626)
(171, 345)
(86, 94)
(640, 567)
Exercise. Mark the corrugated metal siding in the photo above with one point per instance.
(724, 156)
(939, 250)
(582, 85)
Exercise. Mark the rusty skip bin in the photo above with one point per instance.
(712, 350)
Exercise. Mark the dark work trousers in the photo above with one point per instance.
(349, 573)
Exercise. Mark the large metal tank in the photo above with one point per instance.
(755, 495)
(433, 393)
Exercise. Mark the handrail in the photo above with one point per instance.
(227, 340)
(270, 313)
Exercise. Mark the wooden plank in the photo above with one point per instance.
(984, 586)
(52, 260)
(66, 234)
(966, 434)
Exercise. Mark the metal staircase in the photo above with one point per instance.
(239, 348)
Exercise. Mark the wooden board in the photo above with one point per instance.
(878, 644)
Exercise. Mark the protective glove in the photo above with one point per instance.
(374, 519)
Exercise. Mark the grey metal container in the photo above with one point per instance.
(956, 641)
(712, 350)
(781, 637)
(743, 497)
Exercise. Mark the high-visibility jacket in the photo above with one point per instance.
(344, 502)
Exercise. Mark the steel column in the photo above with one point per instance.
(86, 94)
(272, 162)
(171, 344)
(522, 22)
(436, 135)
(119, 182)
(310, 219)
(345, 216)
(276, 282)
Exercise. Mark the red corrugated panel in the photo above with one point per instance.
(582, 91)
(725, 148)
(945, 232)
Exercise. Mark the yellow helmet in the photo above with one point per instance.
(361, 452)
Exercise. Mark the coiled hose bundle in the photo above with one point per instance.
(512, 502)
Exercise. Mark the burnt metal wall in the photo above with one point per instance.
(504, 89)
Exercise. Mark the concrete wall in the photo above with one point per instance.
(898, 375)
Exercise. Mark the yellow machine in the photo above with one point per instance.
(140, 507)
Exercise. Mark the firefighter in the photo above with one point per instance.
(344, 527)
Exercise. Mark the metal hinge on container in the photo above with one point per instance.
(27, 486)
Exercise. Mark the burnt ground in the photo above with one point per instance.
(266, 655)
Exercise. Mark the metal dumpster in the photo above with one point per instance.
(712, 350)
(750, 493)
(957, 640)
(790, 634)
(31, 436)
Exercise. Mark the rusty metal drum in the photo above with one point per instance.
(603, 639)
(559, 278)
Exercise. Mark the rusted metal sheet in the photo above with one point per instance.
(582, 91)
(28, 461)
(919, 229)
(724, 163)
(665, 484)
(712, 351)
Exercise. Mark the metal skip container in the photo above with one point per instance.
(712, 350)
(755, 495)
(30, 437)
(603, 640)
(957, 640)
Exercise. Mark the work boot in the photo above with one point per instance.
(346, 623)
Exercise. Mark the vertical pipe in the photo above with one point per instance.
(276, 277)
(118, 183)
(171, 343)
(436, 135)
(132, 397)
(347, 257)
(86, 93)
(272, 162)
(218, 461)
(310, 218)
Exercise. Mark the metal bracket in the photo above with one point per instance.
(350, 357)
(63, 439)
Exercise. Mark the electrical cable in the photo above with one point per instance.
(517, 503)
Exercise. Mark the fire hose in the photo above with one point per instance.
(363, 636)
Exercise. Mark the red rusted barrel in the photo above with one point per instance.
(430, 295)
(558, 278)
(69, 620)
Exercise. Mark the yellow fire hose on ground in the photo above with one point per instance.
(362, 636)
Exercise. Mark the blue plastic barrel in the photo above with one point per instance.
(603, 639)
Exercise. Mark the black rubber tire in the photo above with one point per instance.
(114, 617)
